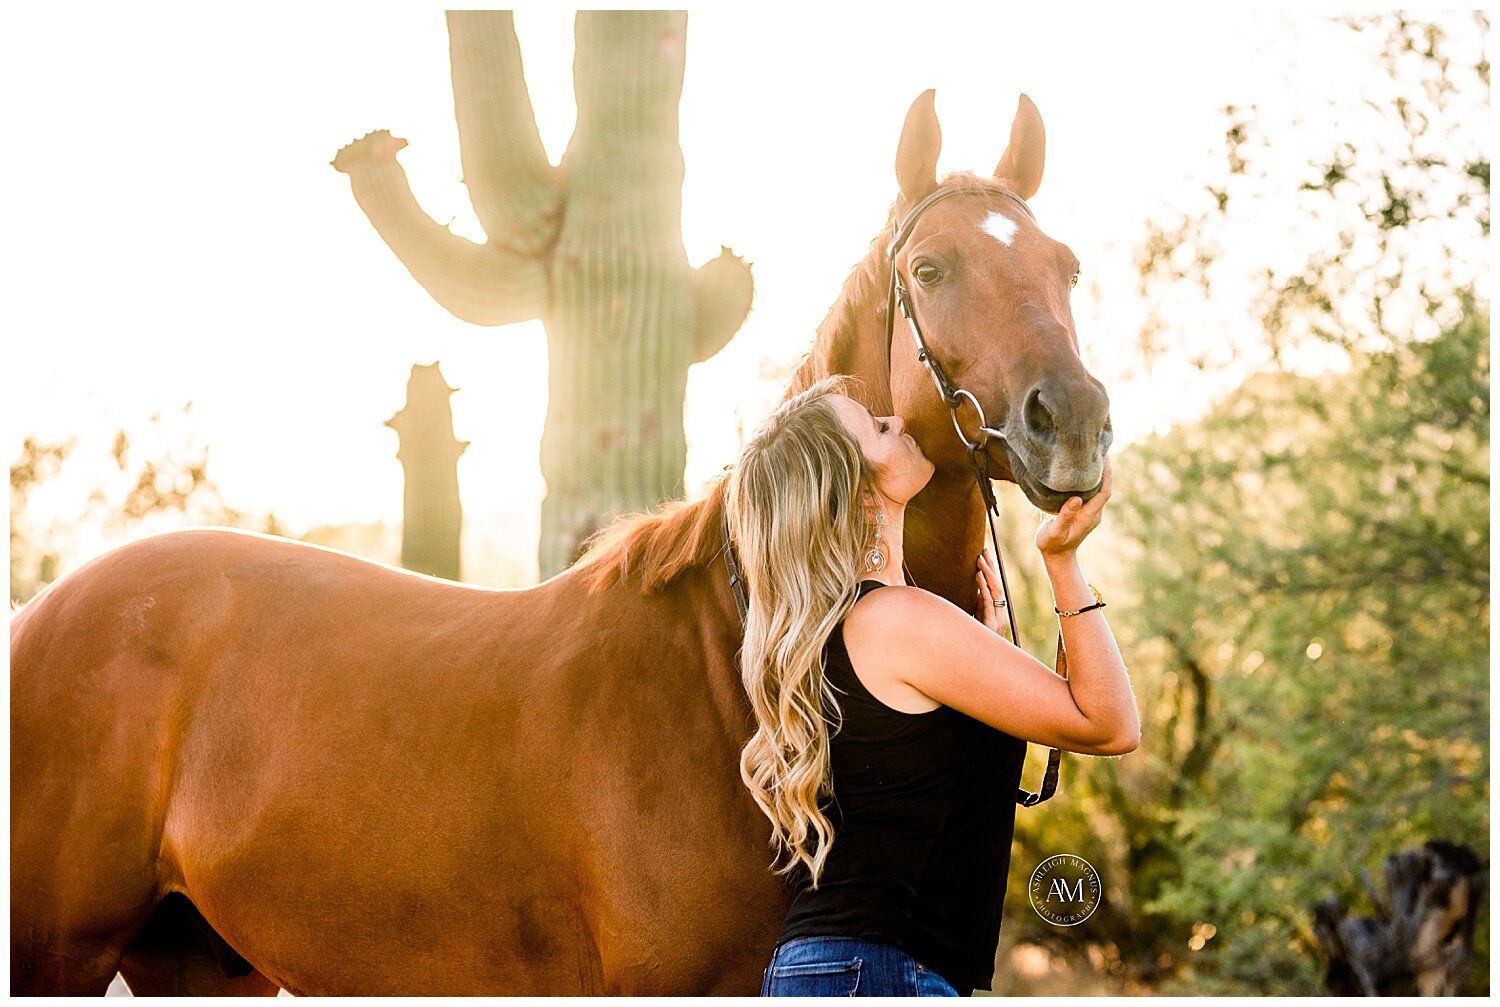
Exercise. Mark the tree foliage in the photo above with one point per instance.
(1367, 244)
(1299, 580)
(149, 481)
(1313, 578)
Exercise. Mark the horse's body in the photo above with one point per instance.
(371, 781)
(367, 781)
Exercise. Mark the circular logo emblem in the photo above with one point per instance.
(1064, 890)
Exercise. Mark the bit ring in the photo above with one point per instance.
(984, 431)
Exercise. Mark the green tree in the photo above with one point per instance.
(34, 553)
(1300, 578)
(1313, 582)
(1385, 227)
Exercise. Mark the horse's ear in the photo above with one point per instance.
(917, 155)
(1021, 164)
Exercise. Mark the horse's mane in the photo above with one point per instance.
(866, 280)
(865, 283)
(658, 546)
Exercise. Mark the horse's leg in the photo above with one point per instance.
(159, 977)
(65, 939)
(87, 785)
(68, 928)
(66, 968)
(177, 953)
(78, 894)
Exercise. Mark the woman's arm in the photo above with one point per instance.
(943, 652)
(1096, 672)
(1091, 648)
(936, 648)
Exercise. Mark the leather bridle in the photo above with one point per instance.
(899, 298)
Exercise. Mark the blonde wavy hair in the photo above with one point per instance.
(800, 510)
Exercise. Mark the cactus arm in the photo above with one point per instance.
(722, 291)
(482, 284)
(514, 190)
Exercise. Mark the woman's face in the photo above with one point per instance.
(901, 469)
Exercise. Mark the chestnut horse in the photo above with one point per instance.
(240, 762)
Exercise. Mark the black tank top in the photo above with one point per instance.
(923, 810)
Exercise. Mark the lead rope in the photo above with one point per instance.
(981, 464)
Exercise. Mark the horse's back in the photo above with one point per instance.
(106, 646)
(105, 666)
(151, 615)
(238, 637)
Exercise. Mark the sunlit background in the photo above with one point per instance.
(179, 235)
(1297, 564)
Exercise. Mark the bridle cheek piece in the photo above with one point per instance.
(899, 298)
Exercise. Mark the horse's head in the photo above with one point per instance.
(991, 293)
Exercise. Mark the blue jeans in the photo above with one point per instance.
(848, 967)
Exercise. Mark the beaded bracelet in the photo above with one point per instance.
(1098, 603)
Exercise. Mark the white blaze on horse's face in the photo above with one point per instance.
(1000, 227)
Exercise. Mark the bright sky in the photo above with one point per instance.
(181, 236)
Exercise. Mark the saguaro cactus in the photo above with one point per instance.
(592, 247)
(433, 519)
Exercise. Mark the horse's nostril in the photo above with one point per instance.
(1038, 416)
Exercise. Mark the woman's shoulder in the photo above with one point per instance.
(889, 613)
(882, 641)
(908, 594)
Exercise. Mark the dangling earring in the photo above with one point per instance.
(876, 555)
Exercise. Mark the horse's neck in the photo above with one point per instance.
(944, 535)
(944, 529)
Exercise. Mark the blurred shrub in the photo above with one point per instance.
(66, 507)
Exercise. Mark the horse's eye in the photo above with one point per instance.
(1074, 281)
(927, 274)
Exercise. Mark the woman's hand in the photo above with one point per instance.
(1065, 531)
(990, 591)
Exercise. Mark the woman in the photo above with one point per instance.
(900, 872)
